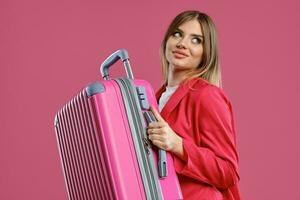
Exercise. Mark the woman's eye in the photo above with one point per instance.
(177, 34)
(196, 40)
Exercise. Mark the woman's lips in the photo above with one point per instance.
(179, 54)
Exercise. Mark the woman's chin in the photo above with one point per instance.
(181, 68)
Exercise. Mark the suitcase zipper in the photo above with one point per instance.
(139, 135)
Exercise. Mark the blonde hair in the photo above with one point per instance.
(209, 68)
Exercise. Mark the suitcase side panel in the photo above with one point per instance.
(99, 165)
(80, 151)
(64, 155)
(113, 122)
(68, 147)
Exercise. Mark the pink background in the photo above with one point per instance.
(49, 50)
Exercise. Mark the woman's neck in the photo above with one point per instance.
(175, 77)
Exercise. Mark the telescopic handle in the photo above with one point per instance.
(112, 59)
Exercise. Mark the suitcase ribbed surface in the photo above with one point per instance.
(84, 165)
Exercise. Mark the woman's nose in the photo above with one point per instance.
(181, 44)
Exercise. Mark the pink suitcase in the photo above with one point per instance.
(103, 145)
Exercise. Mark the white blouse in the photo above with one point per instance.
(165, 96)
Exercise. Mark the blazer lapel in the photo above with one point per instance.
(181, 91)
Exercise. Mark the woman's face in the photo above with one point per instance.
(184, 48)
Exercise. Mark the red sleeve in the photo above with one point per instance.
(215, 160)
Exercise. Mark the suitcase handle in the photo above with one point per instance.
(162, 155)
(112, 59)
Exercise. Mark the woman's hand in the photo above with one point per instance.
(162, 136)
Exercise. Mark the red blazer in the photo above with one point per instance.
(202, 115)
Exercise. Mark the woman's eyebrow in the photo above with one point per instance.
(194, 35)
(178, 29)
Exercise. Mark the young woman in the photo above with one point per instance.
(196, 122)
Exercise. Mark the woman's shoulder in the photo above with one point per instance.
(202, 90)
